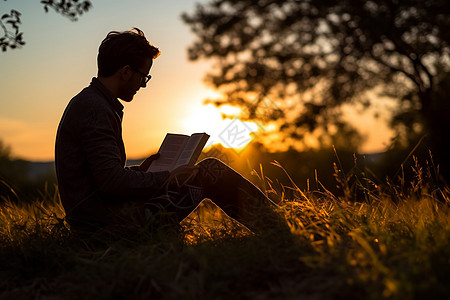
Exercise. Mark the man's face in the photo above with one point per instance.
(135, 81)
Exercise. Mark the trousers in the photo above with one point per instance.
(239, 198)
(235, 195)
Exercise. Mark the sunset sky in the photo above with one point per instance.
(59, 59)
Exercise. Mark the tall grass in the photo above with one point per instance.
(372, 241)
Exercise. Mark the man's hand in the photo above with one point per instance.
(148, 161)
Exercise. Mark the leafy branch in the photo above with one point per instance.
(68, 8)
(12, 36)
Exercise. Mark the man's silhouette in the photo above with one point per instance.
(94, 184)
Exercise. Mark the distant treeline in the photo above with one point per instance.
(25, 178)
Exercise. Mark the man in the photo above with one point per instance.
(94, 183)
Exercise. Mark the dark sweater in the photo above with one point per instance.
(90, 158)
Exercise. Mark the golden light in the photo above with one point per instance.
(231, 133)
(230, 110)
(210, 222)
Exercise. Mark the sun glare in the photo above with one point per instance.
(230, 110)
(231, 133)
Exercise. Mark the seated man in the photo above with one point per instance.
(94, 183)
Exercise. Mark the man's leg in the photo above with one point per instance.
(235, 195)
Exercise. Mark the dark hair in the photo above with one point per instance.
(119, 49)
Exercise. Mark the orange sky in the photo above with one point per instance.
(59, 60)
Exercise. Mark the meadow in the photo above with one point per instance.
(372, 240)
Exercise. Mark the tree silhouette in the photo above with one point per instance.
(312, 57)
(12, 37)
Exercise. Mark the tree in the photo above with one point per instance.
(12, 37)
(311, 58)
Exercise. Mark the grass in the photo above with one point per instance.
(373, 241)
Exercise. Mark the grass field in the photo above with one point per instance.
(373, 241)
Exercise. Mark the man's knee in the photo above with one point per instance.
(209, 161)
(211, 169)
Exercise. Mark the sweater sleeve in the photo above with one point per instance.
(101, 148)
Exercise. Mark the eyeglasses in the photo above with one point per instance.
(147, 77)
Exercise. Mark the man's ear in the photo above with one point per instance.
(125, 72)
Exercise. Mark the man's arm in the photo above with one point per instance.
(101, 147)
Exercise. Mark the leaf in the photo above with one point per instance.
(15, 12)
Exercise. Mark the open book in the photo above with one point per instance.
(178, 150)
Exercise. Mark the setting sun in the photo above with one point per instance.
(230, 133)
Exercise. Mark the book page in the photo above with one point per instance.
(193, 146)
(169, 151)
